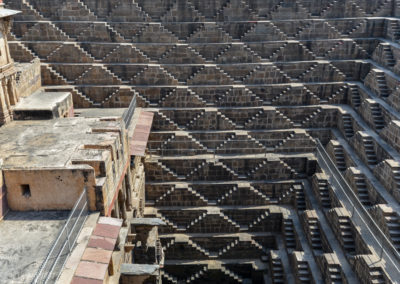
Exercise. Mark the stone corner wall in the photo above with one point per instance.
(28, 78)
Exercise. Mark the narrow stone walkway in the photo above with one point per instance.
(306, 248)
(351, 277)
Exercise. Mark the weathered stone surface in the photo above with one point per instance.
(241, 91)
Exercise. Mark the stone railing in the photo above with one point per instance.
(52, 266)
(359, 215)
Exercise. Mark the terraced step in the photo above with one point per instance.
(169, 278)
(388, 56)
(287, 195)
(382, 84)
(303, 272)
(355, 96)
(348, 125)
(377, 116)
(362, 190)
(323, 187)
(289, 234)
(277, 271)
(315, 234)
(395, 27)
(393, 224)
(369, 150)
(339, 157)
(300, 198)
(346, 235)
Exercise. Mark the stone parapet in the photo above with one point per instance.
(388, 173)
(301, 267)
(391, 134)
(362, 187)
(28, 78)
(369, 269)
(331, 269)
(347, 234)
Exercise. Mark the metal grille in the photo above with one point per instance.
(51, 267)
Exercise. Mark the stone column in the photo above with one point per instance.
(12, 90)
(129, 189)
(146, 242)
(4, 111)
(122, 206)
(5, 29)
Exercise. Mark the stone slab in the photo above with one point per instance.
(91, 270)
(108, 231)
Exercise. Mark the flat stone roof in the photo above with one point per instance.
(8, 12)
(100, 112)
(147, 222)
(109, 112)
(25, 240)
(42, 101)
(50, 143)
(139, 269)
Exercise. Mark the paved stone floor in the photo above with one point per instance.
(26, 239)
